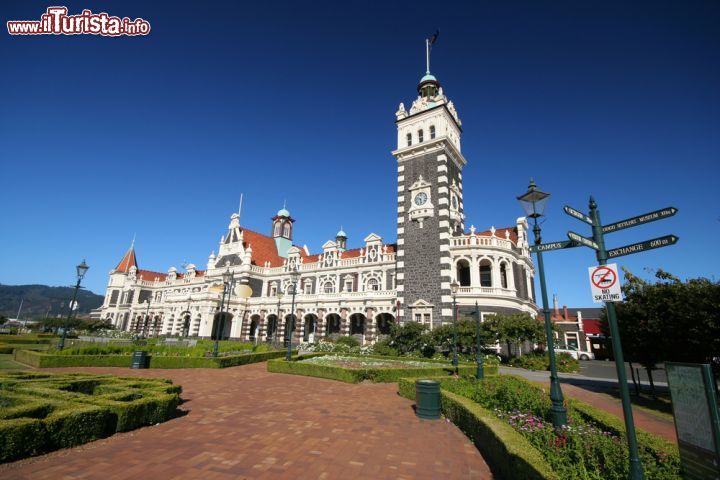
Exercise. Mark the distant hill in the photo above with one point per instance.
(38, 299)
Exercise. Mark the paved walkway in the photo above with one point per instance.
(245, 423)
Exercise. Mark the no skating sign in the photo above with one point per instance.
(604, 283)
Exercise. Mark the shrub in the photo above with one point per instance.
(541, 361)
(349, 341)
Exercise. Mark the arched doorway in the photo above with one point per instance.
(288, 334)
(384, 323)
(254, 327)
(222, 322)
(271, 328)
(332, 324)
(310, 327)
(186, 325)
(357, 327)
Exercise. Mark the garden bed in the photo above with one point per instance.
(376, 369)
(41, 412)
(47, 360)
(592, 446)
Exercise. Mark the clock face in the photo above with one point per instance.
(420, 198)
(453, 200)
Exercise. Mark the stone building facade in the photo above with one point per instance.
(359, 291)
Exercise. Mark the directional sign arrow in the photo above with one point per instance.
(659, 242)
(583, 240)
(544, 247)
(640, 219)
(577, 214)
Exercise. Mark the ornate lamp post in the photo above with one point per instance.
(227, 278)
(81, 270)
(454, 289)
(480, 372)
(277, 319)
(533, 202)
(147, 318)
(294, 276)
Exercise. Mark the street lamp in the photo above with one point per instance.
(454, 289)
(227, 278)
(277, 317)
(147, 318)
(294, 276)
(533, 202)
(479, 373)
(81, 270)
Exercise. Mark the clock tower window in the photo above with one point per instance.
(409, 139)
(420, 136)
(432, 132)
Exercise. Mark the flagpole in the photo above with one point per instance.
(427, 55)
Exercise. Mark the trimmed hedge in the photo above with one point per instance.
(44, 412)
(357, 375)
(14, 339)
(507, 452)
(45, 360)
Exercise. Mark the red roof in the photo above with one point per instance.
(592, 326)
(127, 261)
(263, 248)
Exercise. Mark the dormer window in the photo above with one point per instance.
(420, 136)
(432, 132)
(409, 139)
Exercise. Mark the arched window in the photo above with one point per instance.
(328, 287)
(273, 289)
(286, 230)
(503, 275)
(307, 287)
(276, 232)
(373, 284)
(409, 139)
(420, 136)
(463, 273)
(485, 274)
(432, 132)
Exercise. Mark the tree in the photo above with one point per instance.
(669, 320)
(443, 336)
(516, 329)
(408, 337)
(3, 319)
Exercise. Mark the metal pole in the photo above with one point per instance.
(288, 325)
(558, 414)
(455, 346)
(480, 373)
(636, 470)
(221, 326)
(61, 345)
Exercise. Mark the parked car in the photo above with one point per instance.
(574, 352)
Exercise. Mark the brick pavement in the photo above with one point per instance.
(244, 423)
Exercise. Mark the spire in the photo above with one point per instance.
(429, 85)
(128, 260)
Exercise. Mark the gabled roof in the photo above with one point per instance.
(127, 261)
(264, 248)
(500, 233)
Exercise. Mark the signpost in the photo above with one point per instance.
(697, 423)
(583, 240)
(659, 242)
(544, 247)
(604, 277)
(640, 219)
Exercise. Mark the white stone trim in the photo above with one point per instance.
(401, 209)
(444, 223)
(401, 241)
(401, 178)
(400, 230)
(400, 276)
(400, 264)
(442, 179)
(442, 168)
(401, 168)
(442, 190)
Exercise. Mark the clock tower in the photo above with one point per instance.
(430, 203)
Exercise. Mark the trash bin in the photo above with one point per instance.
(427, 399)
(139, 359)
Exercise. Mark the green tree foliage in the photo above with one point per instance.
(3, 319)
(467, 343)
(669, 320)
(516, 329)
(408, 337)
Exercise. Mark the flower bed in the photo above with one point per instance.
(592, 446)
(41, 412)
(358, 369)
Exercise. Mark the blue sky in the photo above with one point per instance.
(103, 138)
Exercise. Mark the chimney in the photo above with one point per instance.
(565, 313)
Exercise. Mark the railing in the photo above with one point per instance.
(320, 265)
(487, 291)
(469, 241)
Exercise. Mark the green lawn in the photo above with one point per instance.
(6, 362)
